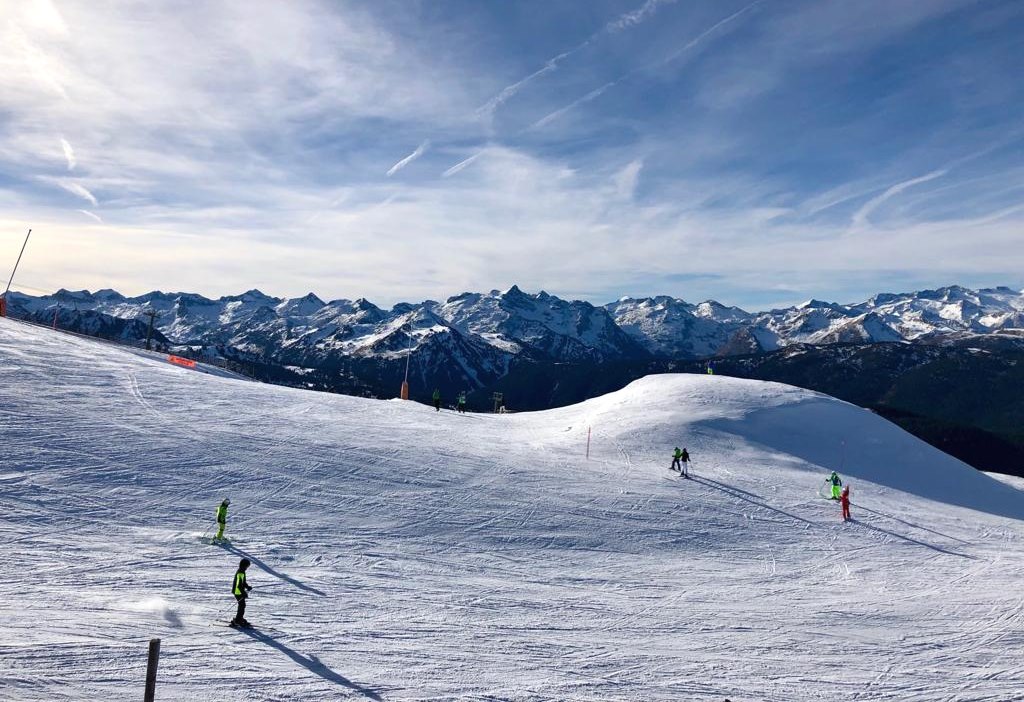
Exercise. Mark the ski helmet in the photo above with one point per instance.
(244, 563)
(226, 501)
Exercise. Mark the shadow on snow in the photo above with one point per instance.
(312, 664)
(747, 497)
(276, 573)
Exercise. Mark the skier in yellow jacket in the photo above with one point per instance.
(222, 520)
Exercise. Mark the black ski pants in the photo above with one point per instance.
(240, 614)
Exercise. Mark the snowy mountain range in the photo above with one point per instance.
(541, 351)
(484, 332)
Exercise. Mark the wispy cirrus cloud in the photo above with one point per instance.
(641, 14)
(592, 95)
(620, 23)
(636, 16)
(77, 189)
(461, 165)
(210, 170)
(91, 215)
(69, 154)
(860, 217)
(419, 151)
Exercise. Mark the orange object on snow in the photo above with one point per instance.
(186, 362)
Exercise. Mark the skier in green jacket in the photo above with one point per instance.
(240, 589)
(837, 485)
(676, 456)
(222, 520)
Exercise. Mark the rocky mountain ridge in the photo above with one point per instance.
(483, 333)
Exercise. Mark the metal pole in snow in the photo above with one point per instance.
(11, 279)
(55, 311)
(588, 443)
(405, 383)
(154, 658)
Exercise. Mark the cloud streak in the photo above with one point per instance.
(709, 31)
(461, 165)
(420, 150)
(91, 215)
(641, 14)
(69, 154)
(636, 16)
(589, 97)
(622, 22)
(78, 190)
(860, 217)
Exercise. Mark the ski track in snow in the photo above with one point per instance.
(403, 554)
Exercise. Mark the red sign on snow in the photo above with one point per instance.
(186, 362)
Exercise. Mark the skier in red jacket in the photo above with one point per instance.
(844, 500)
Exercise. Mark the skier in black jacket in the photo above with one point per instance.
(240, 589)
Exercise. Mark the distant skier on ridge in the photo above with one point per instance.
(240, 589)
(462, 402)
(437, 399)
(222, 520)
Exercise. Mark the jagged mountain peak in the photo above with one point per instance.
(814, 304)
(108, 294)
(253, 295)
(73, 295)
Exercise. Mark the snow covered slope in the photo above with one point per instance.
(404, 554)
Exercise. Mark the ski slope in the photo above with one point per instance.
(404, 554)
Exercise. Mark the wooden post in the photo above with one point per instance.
(405, 389)
(588, 443)
(154, 658)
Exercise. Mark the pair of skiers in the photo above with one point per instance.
(681, 462)
(461, 401)
(239, 585)
(840, 493)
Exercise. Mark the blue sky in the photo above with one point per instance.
(757, 153)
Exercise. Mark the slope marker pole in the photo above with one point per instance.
(588, 443)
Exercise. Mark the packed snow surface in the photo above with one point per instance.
(404, 554)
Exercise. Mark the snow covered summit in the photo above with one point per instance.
(404, 554)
